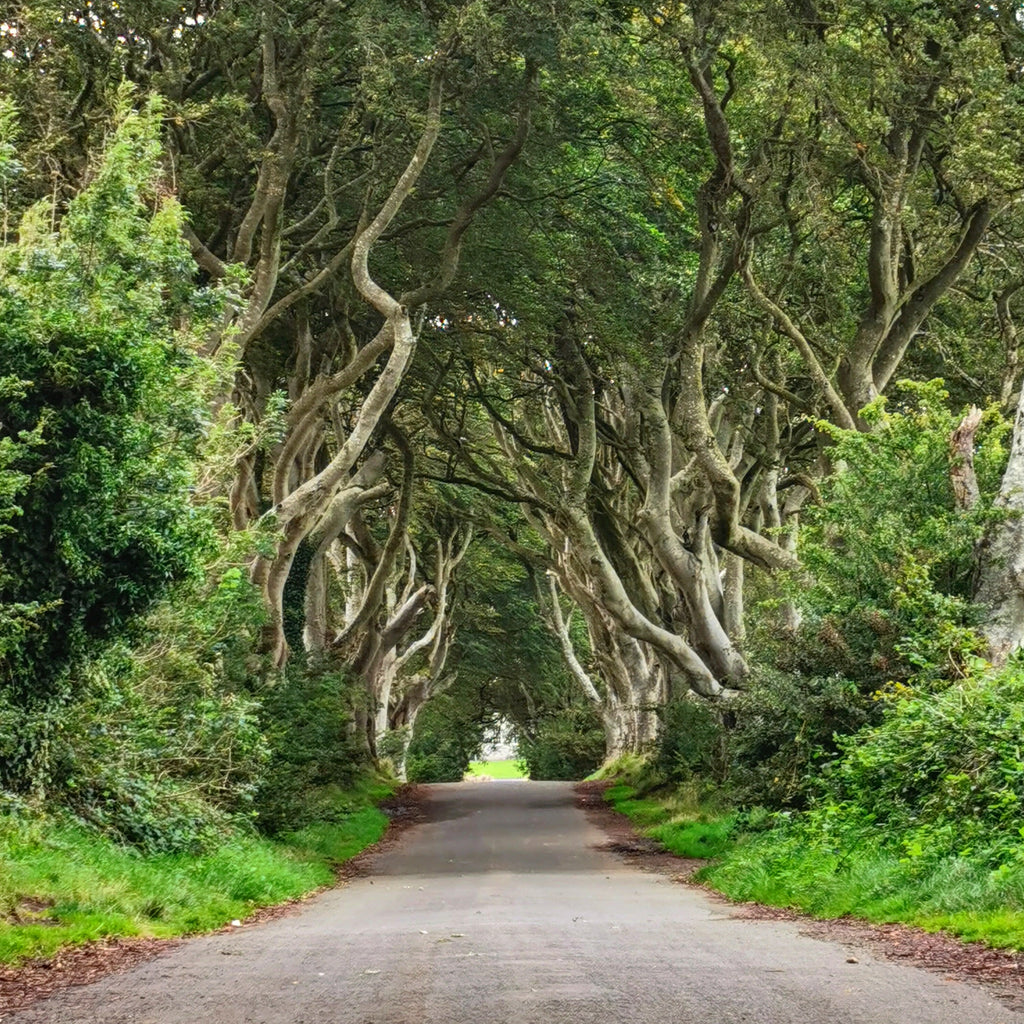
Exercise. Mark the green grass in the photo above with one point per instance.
(497, 769)
(61, 884)
(626, 768)
(786, 867)
(675, 819)
(699, 839)
(954, 894)
(355, 821)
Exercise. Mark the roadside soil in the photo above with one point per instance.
(33, 980)
(1000, 971)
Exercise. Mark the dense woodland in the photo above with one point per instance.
(646, 376)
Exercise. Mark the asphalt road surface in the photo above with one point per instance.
(501, 910)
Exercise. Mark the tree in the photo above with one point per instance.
(626, 309)
(102, 411)
(102, 419)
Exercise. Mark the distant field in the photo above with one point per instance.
(496, 769)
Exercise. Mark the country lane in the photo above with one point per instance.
(501, 909)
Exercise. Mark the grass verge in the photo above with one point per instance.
(955, 894)
(497, 770)
(61, 884)
(676, 819)
(780, 861)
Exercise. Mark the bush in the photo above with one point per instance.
(785, 728)
(940, 774)
(889, 553)
(569, 745)
(158, 742)
(767, 747)
(313, 750)
(888, 560)
(102, 418)
(692, 744)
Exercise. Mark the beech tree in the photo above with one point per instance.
(611, 272)
(658, 470)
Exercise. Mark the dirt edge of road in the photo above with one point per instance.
(999, 971)
(33, 980)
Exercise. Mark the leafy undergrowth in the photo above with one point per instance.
(61, 884)
(497, 769)
(917, 821)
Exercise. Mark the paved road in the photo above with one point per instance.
(499, 910)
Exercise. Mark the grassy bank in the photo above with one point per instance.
(956, 894)
(783, 861)
(676, 819)
(61, 884)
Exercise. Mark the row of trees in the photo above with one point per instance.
(597, 287)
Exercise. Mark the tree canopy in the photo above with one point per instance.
(566, 364)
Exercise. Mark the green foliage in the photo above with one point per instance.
(768, 746)
(691, 743)
(644, 811)
(10, 166)
(786, 727)
(567, 743)
(101, 418)
(449, 733)
(941, 775)
(61, 884)
(889, 560)
(675, 817)
(697, 839)
(502, 641)
(314, 752)
(888, 551)
(159, 735)
(148, 730)
(787, 866)
(351, 831)
(157, 742)
(93, 888)
(509, 668)
(626, 769)
(916, 820)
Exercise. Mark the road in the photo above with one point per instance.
(501, 909)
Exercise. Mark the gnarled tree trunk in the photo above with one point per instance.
(1000, 590)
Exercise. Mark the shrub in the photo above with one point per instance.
(156, 742)
(941, 773)
(102, 418)
(313, 749)
(567, 745)
(889, 553)
(785, 728)
(692, 744)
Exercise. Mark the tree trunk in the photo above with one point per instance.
(733, 614)
(1000, 590)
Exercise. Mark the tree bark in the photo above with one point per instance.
(1000, 590)
(961, 460)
